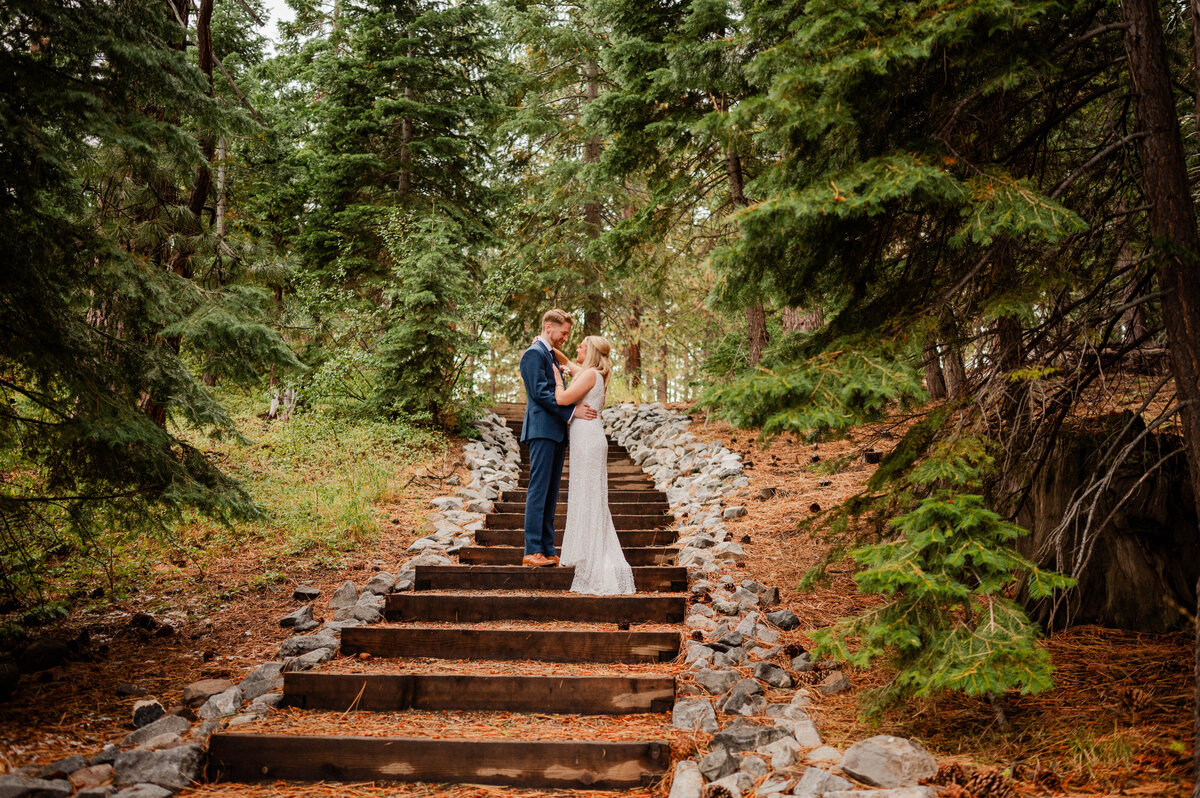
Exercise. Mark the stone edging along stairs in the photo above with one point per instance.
(489, 586)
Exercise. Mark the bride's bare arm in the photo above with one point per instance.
(579, 387)
(571, 366)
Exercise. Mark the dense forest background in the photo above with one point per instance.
(805, 215)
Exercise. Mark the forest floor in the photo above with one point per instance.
(1081, 729)
(339, 511)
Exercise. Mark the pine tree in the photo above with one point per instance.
(96, 163)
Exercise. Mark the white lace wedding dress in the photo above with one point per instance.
(590, 541)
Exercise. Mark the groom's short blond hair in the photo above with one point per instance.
(556, 316)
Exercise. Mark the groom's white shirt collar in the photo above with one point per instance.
(546, 343)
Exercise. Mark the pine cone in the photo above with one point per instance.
(717, 791)
(949, 773)
(954, 791)
(808, 678)
(697, 634)
(990, 784)
(1135, 699)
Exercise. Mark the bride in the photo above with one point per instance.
(590, 541)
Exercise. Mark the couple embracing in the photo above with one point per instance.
(557, 414)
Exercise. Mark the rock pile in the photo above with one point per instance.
(495, 464)
(767, 746)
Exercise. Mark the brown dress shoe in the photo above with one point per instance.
(553, 559)
(536, 559)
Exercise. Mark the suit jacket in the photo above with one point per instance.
(544, 417)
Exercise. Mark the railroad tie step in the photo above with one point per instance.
(396, 692)
(544, 645)
(646, 579)
(632, 538)
(512, 555)
(571, 764)
(517, 521)
(474, 608)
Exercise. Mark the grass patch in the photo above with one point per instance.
(325, 484)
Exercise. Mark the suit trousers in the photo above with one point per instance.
(545, 473)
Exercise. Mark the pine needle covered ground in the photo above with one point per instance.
(342, 499)
(1118, 719)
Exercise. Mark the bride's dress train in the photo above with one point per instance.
(590, 541)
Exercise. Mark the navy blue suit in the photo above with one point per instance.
(545, 430)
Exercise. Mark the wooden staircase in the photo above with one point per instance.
(488, 610)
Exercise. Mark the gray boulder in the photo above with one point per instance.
(694, 713)
(294, 646)
(769, 597)
(221, 705)
(301, 619)
(171, 767)
(103, 791)
(308, 661)
(745, 698)
(358, 613)
(785, 619)
(688, 783)
(717, 680)
(144, 791)
(886, 761)
(772, 674)
(263, 679)
(380, 584)
(835, 682)
(344, 596)
(12, 786)
(816, 782)
(718, 764)
(745, 735)
(755, 765)
(62, 767)
(306, 592)
(168, 724)
(736, 785)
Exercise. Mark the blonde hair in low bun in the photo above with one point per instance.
(598, 351)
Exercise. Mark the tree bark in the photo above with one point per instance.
(1173, 223)
(662, 372)
(633, 351)
(222, 179)
(756, 316)
(593, 297)
(955, 372)
(798, 320)
(404, 180)
(935, 381)
(756, 327)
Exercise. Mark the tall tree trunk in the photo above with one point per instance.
(799, 320)
(935, 381)
(1173, 221)
(663, 369)
(633, 351)
(955, 371)
(404, 181)
(756, 316)
(593, 297)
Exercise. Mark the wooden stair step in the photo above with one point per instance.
(394, 692)
(617, 495)
(511, 555)
(616, 508)
(671, 578)
(632, 538)
(468, 608)
(517, 521)
(557, 764)
(511, 644)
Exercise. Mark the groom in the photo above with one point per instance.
(545, 430)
